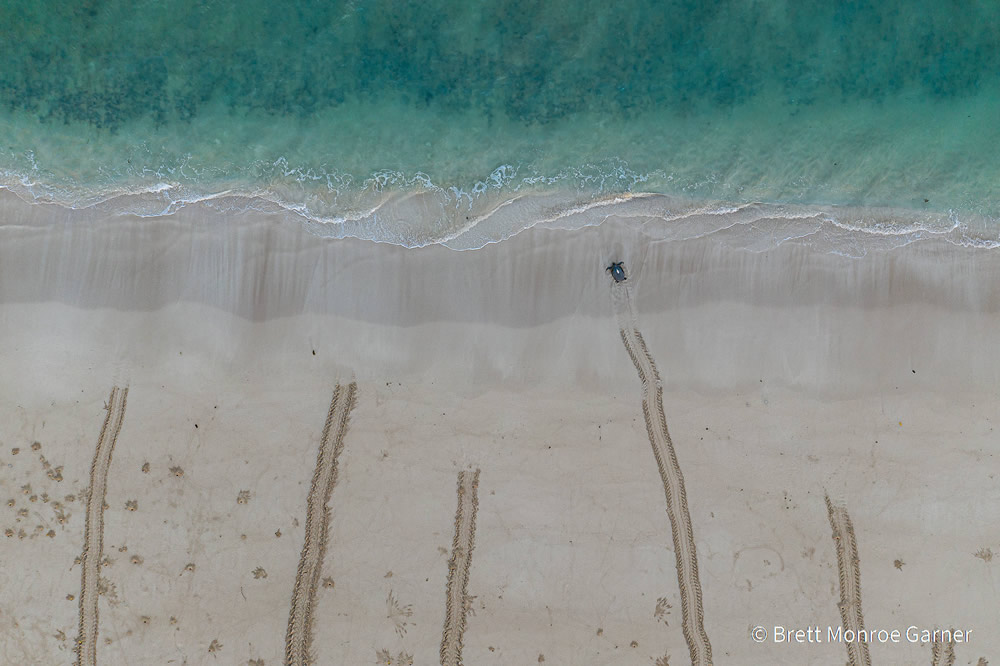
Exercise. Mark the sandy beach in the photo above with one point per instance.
(491, 493)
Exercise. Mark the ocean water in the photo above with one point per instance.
(461, 123)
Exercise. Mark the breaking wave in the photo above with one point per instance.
(411, 210)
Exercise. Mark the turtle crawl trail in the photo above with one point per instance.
(298, 638)
(458, 568)
(670, 473)
(93, 534)
(848, 566)
(943, 653)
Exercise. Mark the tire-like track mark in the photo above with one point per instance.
(299, 636)
(692, 615)
(848, 566)
(93, 531)
(943, 653)
(458, 601)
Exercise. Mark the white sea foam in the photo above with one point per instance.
(412, 210)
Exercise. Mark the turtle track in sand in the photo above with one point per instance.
(93, 534)
(681, 530)
(299, 635)
(458, 601)
(943, 653)
(849, 569)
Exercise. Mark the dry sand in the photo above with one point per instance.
(788, 375)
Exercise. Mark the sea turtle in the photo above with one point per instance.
(617, 272)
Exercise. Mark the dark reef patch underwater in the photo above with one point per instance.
(318, 106)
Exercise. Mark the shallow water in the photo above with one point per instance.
(329, 110)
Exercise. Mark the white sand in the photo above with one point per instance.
(788, 374)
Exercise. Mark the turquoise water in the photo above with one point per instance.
(324, 107)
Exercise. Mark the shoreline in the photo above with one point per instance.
(423, 215)
(532, 310)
